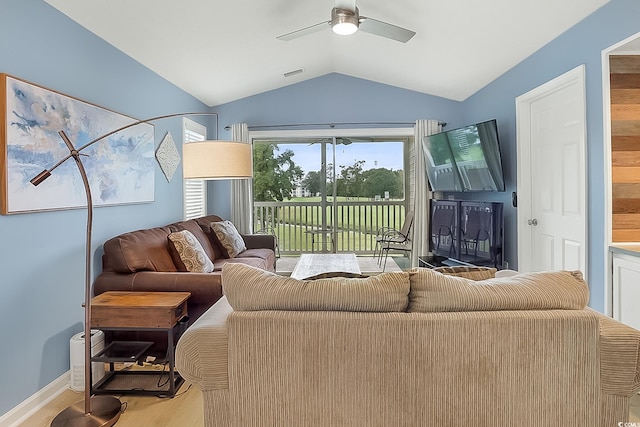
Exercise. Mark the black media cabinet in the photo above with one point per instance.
(468, 232)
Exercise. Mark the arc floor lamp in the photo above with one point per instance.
(201, 160)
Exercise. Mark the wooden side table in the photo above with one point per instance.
(137, 311)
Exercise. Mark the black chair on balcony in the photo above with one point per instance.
(389, 236)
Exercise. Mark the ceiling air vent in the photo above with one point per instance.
(294, 72)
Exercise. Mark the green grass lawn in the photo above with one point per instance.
(365, 218)
(356, 225)
(294, 238)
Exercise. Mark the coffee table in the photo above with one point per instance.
(313, 264)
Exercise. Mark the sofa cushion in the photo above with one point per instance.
(261, 253)
(188, 253)
(470, 272)
(432, 291)
(141, 250)
(228, 237)
(253, 262)
(248, 289)
(263, 258)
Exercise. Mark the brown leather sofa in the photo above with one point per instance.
(142, 261)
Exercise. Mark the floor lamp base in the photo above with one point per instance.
(105, 412)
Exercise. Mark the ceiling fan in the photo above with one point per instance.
(346, 19)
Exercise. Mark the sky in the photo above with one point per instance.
(387, 155)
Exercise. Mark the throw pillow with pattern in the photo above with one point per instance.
(188, 253)
(230, 240)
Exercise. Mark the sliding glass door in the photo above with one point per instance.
(329, 194)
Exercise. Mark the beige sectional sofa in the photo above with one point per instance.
(415, 348)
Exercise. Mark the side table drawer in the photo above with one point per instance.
(138, 310)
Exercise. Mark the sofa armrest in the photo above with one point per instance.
(260, 241)
(202, 351)
(205, 288)
(619, 357)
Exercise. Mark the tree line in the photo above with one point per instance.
(276, 176)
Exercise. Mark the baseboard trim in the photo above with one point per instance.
(24, 410)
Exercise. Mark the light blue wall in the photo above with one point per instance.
(582, 44)
(333, 98)
(42, 261)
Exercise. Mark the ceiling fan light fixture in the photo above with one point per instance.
(344, 22)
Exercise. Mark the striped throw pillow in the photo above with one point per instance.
(249, 288)
(435, 292)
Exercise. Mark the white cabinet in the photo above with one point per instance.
(626, 289)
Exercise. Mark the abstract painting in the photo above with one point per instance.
(120, 168)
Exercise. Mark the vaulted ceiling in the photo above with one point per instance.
(221, 51)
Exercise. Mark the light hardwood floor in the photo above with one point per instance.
(184, 410)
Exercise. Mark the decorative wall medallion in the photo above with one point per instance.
(168, 156)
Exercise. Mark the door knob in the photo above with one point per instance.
(532, 222)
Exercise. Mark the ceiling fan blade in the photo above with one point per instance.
(390, 31)
(304, 31)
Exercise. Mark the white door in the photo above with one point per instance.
(552, 211)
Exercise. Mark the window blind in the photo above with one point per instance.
(195, 190)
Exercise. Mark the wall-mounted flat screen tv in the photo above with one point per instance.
(465, 159)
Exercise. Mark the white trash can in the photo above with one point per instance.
(77, 358)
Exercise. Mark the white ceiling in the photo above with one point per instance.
(221, 51)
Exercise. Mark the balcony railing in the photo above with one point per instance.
(351, 225)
